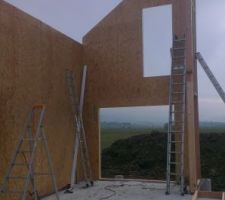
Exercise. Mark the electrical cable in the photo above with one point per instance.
(113, 192)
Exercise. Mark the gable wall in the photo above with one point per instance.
(114, 55)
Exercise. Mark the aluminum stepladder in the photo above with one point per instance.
(24, 159)
(80, 136)
(211, 77)
(177, 110)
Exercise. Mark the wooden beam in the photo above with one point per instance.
(195, 196)
(191, 108)
(212, 195)
(223, 197)
(191, 137)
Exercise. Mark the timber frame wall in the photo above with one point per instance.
(113, 50)
(32, 66)
(33, 61)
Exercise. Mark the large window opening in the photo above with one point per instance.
(157, 40)
(210, 35)
(133, 142)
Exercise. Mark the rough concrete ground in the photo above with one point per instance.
(123, 190)
(207, 199)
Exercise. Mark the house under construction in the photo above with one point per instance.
(34, 59)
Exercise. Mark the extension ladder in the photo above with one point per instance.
(212, 78)
(80, 138)
(23, 159)
(177, 109)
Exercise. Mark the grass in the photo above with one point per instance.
(212, 130)
(110, 135)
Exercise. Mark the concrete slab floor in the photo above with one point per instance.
(123, 190)
(207, 199)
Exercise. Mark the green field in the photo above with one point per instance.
(212, 130)
(110, 135)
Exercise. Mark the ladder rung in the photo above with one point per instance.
(176, 131)
(17, 177)
(178, 74)
(178, 92)
(70, 77)
(32, 139)
(20, 164)
(176, 83)
(177, 102)
(178, 48)
(15, 191)
(176, 142)
(177, 111)
(174, 163)
(176, 152)
(29, 139)
(178, 71)
(178, 57)
(174, 174)
(177, 122)
(43, 174)
(24, 151)
(178, 67)
(179, 40)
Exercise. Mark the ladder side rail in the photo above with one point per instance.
(169, 132)
(19, 144)
(74, 96)
(72, 91)
(36, 137)
(75, 109)
(211, 77)
(24, 195)
(175, 137)
(32, 178)
(40, 134)
(85, 148)
(3, 189)
(183, 131)
(80, 140)
(183, 128)
(70, 79)
(86, 154)
(83, 85)
(52, 174)
(83, 160)
(75, 153)
(80, 122)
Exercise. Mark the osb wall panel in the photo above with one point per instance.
(32, 70)
(114, 54)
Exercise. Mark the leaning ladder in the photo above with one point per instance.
(212, 78)
(80, 137)
(177, 109)
(24, 159)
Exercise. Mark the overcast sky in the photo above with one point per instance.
(76, 17)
